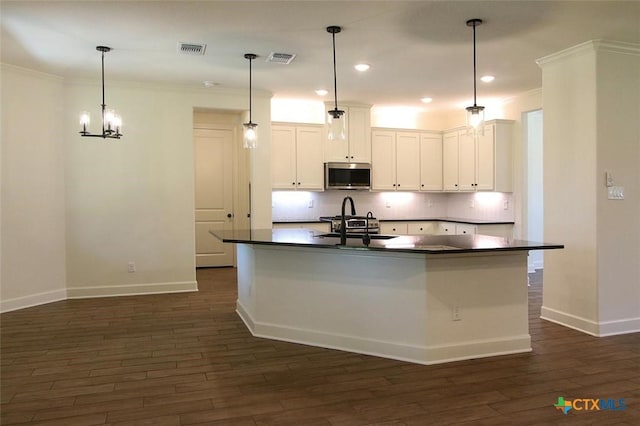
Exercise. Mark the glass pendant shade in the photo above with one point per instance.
(337, 130)
(475, 119)
(250, 139)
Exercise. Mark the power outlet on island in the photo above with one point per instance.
(131, 267)
(455, 313)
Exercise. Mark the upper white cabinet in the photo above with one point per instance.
(296, 157)
(357, 147)
(479, 164)
(430, 162)
(450, 161)
(395, 158)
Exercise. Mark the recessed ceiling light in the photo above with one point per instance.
(362, 67)
(426, 100)
(487, 78)
(321, 92)
(209, 83)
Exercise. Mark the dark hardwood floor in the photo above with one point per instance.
(185, 359)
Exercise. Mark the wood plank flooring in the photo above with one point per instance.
(187, 359)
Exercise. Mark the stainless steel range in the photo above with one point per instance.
(355, 224)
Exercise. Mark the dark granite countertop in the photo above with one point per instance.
(431, 219)
(428, 244)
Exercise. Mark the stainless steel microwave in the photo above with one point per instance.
(347, 176)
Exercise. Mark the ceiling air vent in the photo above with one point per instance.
(191, 48)
(281, 58)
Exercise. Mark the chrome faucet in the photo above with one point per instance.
(343, 222)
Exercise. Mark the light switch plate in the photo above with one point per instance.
(615, 193)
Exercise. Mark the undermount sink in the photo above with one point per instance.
(354, 235)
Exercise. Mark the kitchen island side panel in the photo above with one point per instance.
(394, 305)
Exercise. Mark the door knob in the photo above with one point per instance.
(229, 215)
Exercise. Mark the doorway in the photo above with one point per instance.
(534, 141)
(221, 185)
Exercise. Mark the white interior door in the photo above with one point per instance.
(213, 152)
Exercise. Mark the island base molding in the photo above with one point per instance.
(392, 305)
(419, 355)
(593, 328)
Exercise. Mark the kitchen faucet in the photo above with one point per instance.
(343, 222)
(366, 238)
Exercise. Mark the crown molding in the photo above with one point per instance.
(591, 46)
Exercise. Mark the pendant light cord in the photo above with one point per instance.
(104, 105)
(474, 64)
(335, 78)
(250, 60)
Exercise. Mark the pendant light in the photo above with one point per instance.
(336, 118)
(475, 113)
(111, 122)
(250, 139)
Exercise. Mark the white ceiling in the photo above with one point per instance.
(415, 48)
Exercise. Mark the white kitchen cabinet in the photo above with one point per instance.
(431, 162)
(465, 228)
(397, 228)
(479, 164)
(395, 158)
(296, 157)
(422, 228)
(497, 230)
(316, 226)
(446, 228)
(357, 146)
(450, 161)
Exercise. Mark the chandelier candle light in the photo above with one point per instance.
(250, 139)
(475, 113)
(336, 117)
(111, 122)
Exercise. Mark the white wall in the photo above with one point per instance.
(32, 205)
(77, 210)
(132, 199)
(591, 98)
(534, 181)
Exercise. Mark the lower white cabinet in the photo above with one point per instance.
(398, 228)
(422, 228)
(465, 228)
(316, 226)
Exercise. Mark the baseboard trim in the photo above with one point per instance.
(32, 300)
(419, 354)
(593, 328)
(132, 290)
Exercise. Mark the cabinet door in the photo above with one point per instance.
(393, 228)
(283, 157)
(359, 121)
(450, 161)
(383, 160)
(465, 228)
(407, 161)
(309, 167)
(485, 160)
(466, 162)
(422, 228)
(446, 228)
(430, 162)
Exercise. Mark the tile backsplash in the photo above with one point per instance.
(309, 206)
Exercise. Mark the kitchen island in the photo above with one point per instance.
(424, 299)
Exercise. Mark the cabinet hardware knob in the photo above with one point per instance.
(293, 183)
(229, 215)
(298, 183)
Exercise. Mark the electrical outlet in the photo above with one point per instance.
(131, 267)
(472, 204)
(455, 313)
(506, 204)
(310, 204)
